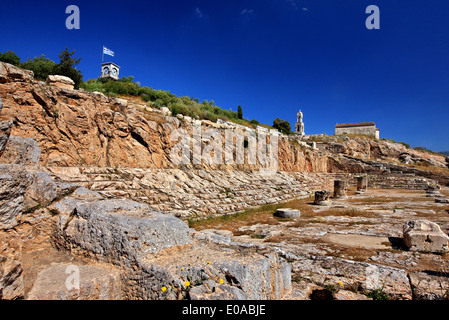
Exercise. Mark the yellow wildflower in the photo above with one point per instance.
(221, 281)
(164, 289)
(187, 283)
(182, 269)
(208, 262)
(340, 283)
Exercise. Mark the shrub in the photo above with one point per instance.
(405, 144)
(179, 108)
(41, 66)
(10, 57)
(254, 122)
(207, 115)
(93, 85)
(282, 125)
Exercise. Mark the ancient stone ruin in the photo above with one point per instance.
(93, 205)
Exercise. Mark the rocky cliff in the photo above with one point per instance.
(79, 128)
(90, 183)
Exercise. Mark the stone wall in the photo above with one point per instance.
(368, 130)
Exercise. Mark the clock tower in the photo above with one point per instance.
(110, 70)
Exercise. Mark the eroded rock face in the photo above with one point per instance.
(121, 231)
(429, 286)
(61, 81)
(76, 282)
(11, 279)
(21, 151)
(79, 128)
(11, 73)
(425, 236)
(14, 181)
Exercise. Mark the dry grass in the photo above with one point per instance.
(427, 167)
(264, 215)
(259, 215)
(135, 99)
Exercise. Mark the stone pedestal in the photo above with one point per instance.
(362, 184)
(339, 189)
(287, 213)
(322, 198)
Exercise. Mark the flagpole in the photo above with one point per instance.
(102, 55)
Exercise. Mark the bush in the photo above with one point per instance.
(207, 115)
(160, 98)
(93, 85)
(10, 57)
(179, 108)
(254, 122)
(282, 125)
(41, 66)
(405, 144)
(123, 88)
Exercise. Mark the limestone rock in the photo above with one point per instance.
(42, 190)
(324, 270)
(13, 184)
(120, 230)
(429, 286)
(76, 282)
(287, 213)
(405, 158)
(61, 81)
(5, 131)
(425, 236)
(166, 111)
(21, 151)
(11, 279)
(10, 73)
(256, 278)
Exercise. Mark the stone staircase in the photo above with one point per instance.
(194, 192)
(398, 180)
(186, 193)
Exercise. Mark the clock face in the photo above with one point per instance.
(106, 70)
(114, 71)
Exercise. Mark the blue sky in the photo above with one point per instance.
(273, 57)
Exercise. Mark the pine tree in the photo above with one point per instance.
(67, 66)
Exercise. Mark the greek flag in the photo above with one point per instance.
(107, 51)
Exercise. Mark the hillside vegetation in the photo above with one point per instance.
(187, 106)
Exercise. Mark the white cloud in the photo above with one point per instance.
(198, 13)
(247, 11)
(305, 9)
(293, 3)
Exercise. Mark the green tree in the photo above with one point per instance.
(239, 112)
(282, 125)
(41, 66)
(254, 122)
(10, 57)
(67, 67)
